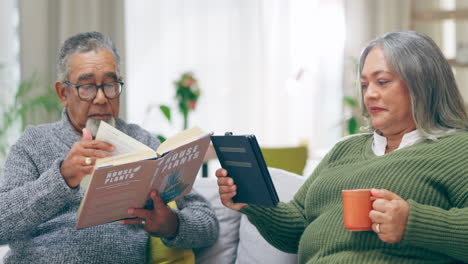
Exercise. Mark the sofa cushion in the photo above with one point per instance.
(253, 248)
(3, 251)
(160, 253)
(225, 249)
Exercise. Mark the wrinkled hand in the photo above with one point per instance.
(227, 190)
(391, 212)
(75, 167)
(159, 222)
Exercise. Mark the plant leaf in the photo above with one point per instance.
(350, 101)
(161, 138)
(166, 111)
(352, 126)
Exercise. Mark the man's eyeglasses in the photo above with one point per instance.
(88, 92)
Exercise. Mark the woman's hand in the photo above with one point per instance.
(390, 215)
(227, 190)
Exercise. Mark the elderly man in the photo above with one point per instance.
(40, 191)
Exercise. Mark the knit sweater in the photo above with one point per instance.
(38, 209)
(432, 176)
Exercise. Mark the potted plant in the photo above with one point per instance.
(22, 106)
(187, 95)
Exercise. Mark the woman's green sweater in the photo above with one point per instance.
(432, 176)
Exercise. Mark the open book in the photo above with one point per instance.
(126, 179)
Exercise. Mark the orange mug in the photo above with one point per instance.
(356, 207)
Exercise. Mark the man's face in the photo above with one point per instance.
(89, 68)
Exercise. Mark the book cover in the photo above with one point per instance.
(125, 180)
(241, 156)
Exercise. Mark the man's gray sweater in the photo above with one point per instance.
(38, 209)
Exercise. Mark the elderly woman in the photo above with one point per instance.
(415, 161)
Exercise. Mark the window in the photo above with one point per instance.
(267, 67)
(445, 21)
(9, 71)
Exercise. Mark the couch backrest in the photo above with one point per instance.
(292, 159)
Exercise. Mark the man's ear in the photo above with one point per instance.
(61, 93)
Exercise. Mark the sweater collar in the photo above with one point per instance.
(380, 142)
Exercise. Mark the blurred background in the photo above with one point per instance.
(284, 70)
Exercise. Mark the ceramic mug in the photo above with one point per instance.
(357, 205)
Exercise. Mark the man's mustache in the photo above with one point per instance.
(93, 124)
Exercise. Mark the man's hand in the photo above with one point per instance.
(81, 158)
(159, 222)
(227, 190)
(390, 213)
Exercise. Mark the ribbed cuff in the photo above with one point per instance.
(181, 230)
(56, 179)
(258, 210)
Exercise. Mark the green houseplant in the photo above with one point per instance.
(22, 106)
(187, 95)
(352, 123)
(353, 120)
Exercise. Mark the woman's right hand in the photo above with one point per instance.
(227, 190)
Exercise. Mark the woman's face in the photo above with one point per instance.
(386, 96)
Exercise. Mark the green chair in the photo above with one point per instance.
(292, 159)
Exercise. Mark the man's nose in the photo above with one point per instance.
(100, 97)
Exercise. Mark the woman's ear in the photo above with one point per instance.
(60, 89)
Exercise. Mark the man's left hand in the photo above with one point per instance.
(159, 222)
(390, 215)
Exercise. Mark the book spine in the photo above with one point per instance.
(266, 175)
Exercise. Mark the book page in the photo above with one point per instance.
(122, 142)
(125, 158)
(180, 139)
(127, 149)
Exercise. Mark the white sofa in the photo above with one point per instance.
(239, 241)
(3, 251)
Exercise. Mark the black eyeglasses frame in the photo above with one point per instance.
(97, 88)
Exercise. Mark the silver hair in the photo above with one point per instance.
(436, 102)
(82, 43)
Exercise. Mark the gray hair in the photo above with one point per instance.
(436, 101)
(82, 43)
